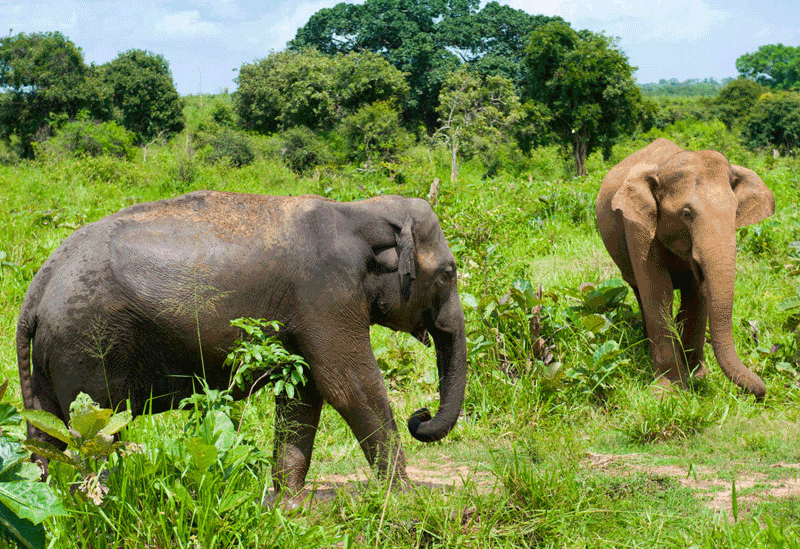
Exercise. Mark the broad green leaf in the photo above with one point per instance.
(34, 501)
(47, 450)
(89, 422)
(97, 446)
(117, 422)
(595, 323)
(11, 456)
(469, 300)
(9, 414)
(48, 423)
(203, 455)
(28, 534)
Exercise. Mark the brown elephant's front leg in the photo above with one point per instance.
(692, 316)
(296, 422)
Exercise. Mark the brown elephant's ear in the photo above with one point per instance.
(756, 201)
(406, 267)
(635, 200)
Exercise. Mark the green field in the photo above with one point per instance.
(565, 448)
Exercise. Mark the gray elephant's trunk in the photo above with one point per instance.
(451, 362)
(719, 274)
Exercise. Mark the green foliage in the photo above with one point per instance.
(144, 95)
(307, 88)
(773, 65)
(24, 503)
(420, 38)
(693, 87)
(41, 75)
(302, 150)
(774, 121)
(586, 83)
(373, 134)
(89, 440)
(87, 138)
(673, 415)
(229, 146)
(736, 100)
(476, 115)
(263, 355)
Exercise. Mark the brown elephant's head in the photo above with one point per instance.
(412, 287)
(692, 203)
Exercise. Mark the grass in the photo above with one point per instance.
(533, 461)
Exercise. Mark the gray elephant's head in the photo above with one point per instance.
(411, 285)
(691, 204)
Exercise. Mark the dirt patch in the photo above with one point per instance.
(715, 492)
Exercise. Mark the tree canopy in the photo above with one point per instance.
(308, 88)
(773, 65)
(587, 85)
(41, 75)
(426, 40)
(144, 93)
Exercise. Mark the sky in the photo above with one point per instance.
(206, 41)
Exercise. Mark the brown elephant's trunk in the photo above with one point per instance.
(719, 274)
(451, 361)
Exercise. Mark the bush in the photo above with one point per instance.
(774, 122)
(232, 147)
(373, 134)
(301, 149)
(82, 138)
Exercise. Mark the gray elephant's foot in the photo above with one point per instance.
(289, 501)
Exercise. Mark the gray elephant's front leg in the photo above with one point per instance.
(296, 422)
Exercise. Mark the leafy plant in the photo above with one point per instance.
(89, 439)
(24, 502)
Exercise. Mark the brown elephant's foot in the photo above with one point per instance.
(700, 371)
(664, 386)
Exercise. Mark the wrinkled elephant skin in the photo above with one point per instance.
(668, 217)
(115, 311)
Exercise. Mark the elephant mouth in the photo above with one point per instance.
(697, 271)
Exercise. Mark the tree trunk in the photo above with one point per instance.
(454, 161)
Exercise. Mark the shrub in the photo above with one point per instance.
(301, 149)
(232, 147)
(373, 133)
(774, 122)
(81, 138)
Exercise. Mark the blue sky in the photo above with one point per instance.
(206, 41)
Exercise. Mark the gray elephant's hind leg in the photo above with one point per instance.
(296, 422)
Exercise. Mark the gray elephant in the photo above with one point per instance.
(668, 217)
(115, 311)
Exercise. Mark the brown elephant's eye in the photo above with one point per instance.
(686, 213)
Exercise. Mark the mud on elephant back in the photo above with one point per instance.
(668, 217)
(326, 270)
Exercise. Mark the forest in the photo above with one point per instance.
(507, 124)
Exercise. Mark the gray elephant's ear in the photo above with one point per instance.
(635, 200)
(756, 201)
(406, 267)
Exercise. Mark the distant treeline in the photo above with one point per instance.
(694, 87)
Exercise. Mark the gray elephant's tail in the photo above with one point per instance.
(26, 328)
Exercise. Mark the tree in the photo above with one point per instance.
(426, 40)
(309, 88)
(587, 85)
(774, 121)
(774, 65)
(373, 133)
(476, 115)
(42, 77)
(144, 94)
(736, 99)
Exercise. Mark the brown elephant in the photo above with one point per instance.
(134, 306)
(668, 217)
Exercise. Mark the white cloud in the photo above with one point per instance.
(185, 23)
(635, 20)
